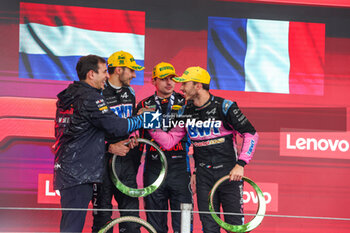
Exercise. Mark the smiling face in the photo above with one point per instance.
(189, 89)
(100, 77)
(126, 75)
(164, 86)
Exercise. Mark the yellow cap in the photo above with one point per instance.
(163, 70)
(195, 74)
(122, 58)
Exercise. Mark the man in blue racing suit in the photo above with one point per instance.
(212, 124)
(176, 187)
(120, 98)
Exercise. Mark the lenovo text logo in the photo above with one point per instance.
(315, 144)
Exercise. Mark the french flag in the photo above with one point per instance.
(266, 55)
(54, 37)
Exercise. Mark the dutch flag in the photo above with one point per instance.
(54, 37)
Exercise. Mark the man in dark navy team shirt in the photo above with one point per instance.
(120, 98)
(82, 120)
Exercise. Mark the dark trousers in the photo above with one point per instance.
(79, 197)
(176, 189)
(228, 195)
(104, 193)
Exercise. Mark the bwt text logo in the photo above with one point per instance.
(152, 120)
(315, 144)
(122, 110)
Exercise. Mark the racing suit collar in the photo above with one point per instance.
(113, 86)
(71, 93)
(211, 98)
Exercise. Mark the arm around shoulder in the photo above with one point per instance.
(168, 139)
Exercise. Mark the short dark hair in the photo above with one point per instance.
(205, 86)
(111, 69)
(87, 63)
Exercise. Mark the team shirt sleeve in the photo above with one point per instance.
(169, 139)
(239, 122)
(103, 118)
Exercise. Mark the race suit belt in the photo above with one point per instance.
(222, 164)
(216, 166)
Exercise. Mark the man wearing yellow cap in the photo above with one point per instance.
(120, 98)
(176, 187)
(212, 124)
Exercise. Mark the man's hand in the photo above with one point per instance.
(193, 183)
(119, 148)
(133, 142)
(142, 110)
(236, 174)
